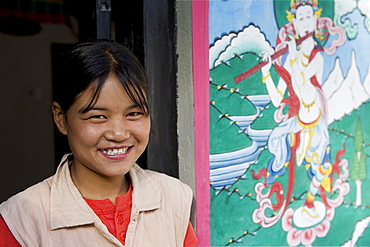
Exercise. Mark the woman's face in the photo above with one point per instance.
(305, 20)
(109, 138)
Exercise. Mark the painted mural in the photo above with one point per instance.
(289, 122)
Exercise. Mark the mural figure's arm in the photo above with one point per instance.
(276, 93)
(303, 73)
(315, 68)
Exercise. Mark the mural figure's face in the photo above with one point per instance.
(304, 20)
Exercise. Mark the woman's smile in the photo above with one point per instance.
(115, 153)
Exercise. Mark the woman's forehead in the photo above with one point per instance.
(110, 89)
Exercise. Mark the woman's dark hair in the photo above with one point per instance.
(95, 61)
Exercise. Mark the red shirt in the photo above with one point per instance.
(6, 237)
(115, 217)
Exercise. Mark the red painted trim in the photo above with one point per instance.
(200, 11)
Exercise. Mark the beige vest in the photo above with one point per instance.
(53, 213)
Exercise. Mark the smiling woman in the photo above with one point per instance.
(106, 139)
(99, 196)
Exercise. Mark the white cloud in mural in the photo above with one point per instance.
(219, 47)
(364, 7)
(343, 8)
(250, 39)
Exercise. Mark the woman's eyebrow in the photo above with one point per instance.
(84, 110)
(133, 106)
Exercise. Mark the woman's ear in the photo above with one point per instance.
(60, 118)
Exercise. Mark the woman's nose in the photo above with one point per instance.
(117, 131)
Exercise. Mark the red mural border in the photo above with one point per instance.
(200, 12)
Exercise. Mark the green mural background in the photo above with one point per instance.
(234, 202)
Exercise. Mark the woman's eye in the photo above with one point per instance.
(134, 114)
(97, 117)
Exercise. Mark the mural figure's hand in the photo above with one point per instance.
(266, 56)
(292, 46)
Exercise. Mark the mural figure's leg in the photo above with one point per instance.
(316, 151)
(321, 178)
(313, 211)
(306, 137)
(280, 142)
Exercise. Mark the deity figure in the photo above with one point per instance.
(302, 137)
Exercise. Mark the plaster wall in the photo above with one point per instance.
(185, 100)
(185, 125)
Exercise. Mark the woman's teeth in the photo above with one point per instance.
(114, 151)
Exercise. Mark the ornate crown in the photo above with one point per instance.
(294, 4)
